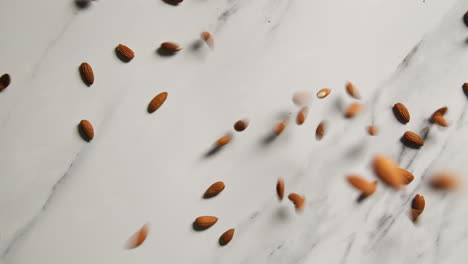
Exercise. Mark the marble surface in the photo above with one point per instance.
(63, 200)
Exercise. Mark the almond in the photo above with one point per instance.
(401, 113)
(157, 102)
(372, 130)
(445, 181)
(223, 141)
(204, 222)
(302, 98)
(353, 110)
(214, 189)
(5, 81)
(417, 206)
(208, 38)
(297, 200)
(323, 93)
(320, 130)
(241, 125)
(465, 18)
(442, 111)
(124, 53)
(367, 188)
(226, 237)
(279, 128)
(406, 176)
(138, 238)
(302, 115)
(387, 171)
(412, 140)
(465, 88)
(280, 188)
(86, 130)
(170, 47)
(173, 2)
(439, 119)
(352, 90)
(87, 73)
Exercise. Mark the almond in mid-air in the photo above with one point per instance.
(352, 90)
(214, 189)
(87, 73)
(386, 170)
(280, 189)
(401, 113)
(323, 93)
(226, 237)
(417, 206)
(297, 200)
(353, 110)
(406, 176)
(138, 238)
(320, 130)
(302, 115)
(157, 102)
(366, 187)
(204, 222)
(412, 140)
(170, 47)
(5, 81)
(86, 130)
(241, 125)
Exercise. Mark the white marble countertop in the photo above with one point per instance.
(63, 200)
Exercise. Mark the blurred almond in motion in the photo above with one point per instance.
(171, 47)
(297, 200)
(5, 81)
(465, 88)
(223, 141)
(417, 206)
(366, 187)
(302, 115)
(280, 189)
(302, 98)
(406, 176)
(323, 93)
(241, 125)
(372, 130)
(386, 170)
(445, 181)
(279, 128)
(353, 110)
(208, 38)
(320, 130)
(138, 238)
(352, 90)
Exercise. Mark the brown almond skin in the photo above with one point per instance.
(138, 238)
(279, 128)
(372, 130)
(170, 47)
(87, 73)
(442, 111)
(353, 110)
(320, 130)
(407, 177)
(124, 53)
(301, 116)
(465, 88)
(240, 125)
(367, 188)
(226, 237)
(412, 140)
(439, 119)
(5, 81)
(214, 189)
(323, 93)
(401, 113)
(445, 182)
(86, 130)
(385, 169)
(223, 141)
(157, 102)
(352, 90)
(280, 189)
(297, 200)
(465, 18)
(204, 222)
(417, 206)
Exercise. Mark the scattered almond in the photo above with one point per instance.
(173, 2)
(5, 81)
(372, 130)
(138, 238)
(226, 237)
(320, 130)
(352, 90)
(302, 115)
(204, 222)
(157, 102)
(353, 110)
(465, 18)
(445, 181)
(87, 73)
(401, 113)
(87, 130)
(279, 128)
(412, 140)
(214, 189)
(406, 176)
(323, 93)
(465, 88)
(124, 53)
(241, 125)
(417, 206)
(170, 47)
(297, 200)
(442, 111)
(387, 171)
(439, 119)
(223, 141)
(280, 188)
(366, 187)
(208, 38)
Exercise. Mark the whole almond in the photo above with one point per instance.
(387, 171)
(208, 38)
(323, 93)
(241, 125)
(279, 128)
(366, 187)
(439, 119)
(465, 18)
(412, 140)
(297, 200)
(138, 238)
(445, 181)
(352, 90)
(353, 110)
(465, 88)
(5, 81)
(223, 141)
(280, 188)
(226, 237)
(406, 176)
(320, 130)
(204, 222)
(214, 189)
(372, 130)
(417, 206)
(124, 53)
(302, 115)
(401, 113)
(170, 47)
(86, 130)
(157, 102)
(442, 111)
(87, 73)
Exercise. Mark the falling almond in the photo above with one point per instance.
(87, 73)
(226, 237)
(302, 98)
(323, 93)
(241, 125)
(204, 222)
(138, 238)
(353, 110)
(372, 130)
(366, 187)
(302, 115)
(171, 47)
(387, 171)
(352, 90)
(223, 141)
(124, 53)
(465, 18)
(208, 38)
(279, 128)
(445, 181)
(417, 206)
(86, 130)
(297, 200)
(280, 188)
(157, 102)
(320, 130)
(401, 113)
(5, 81)
(406, 176)
(439, 119)
(412, 140)
(465, 88)
(214, 189)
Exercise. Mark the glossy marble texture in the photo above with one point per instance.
(64, 200)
